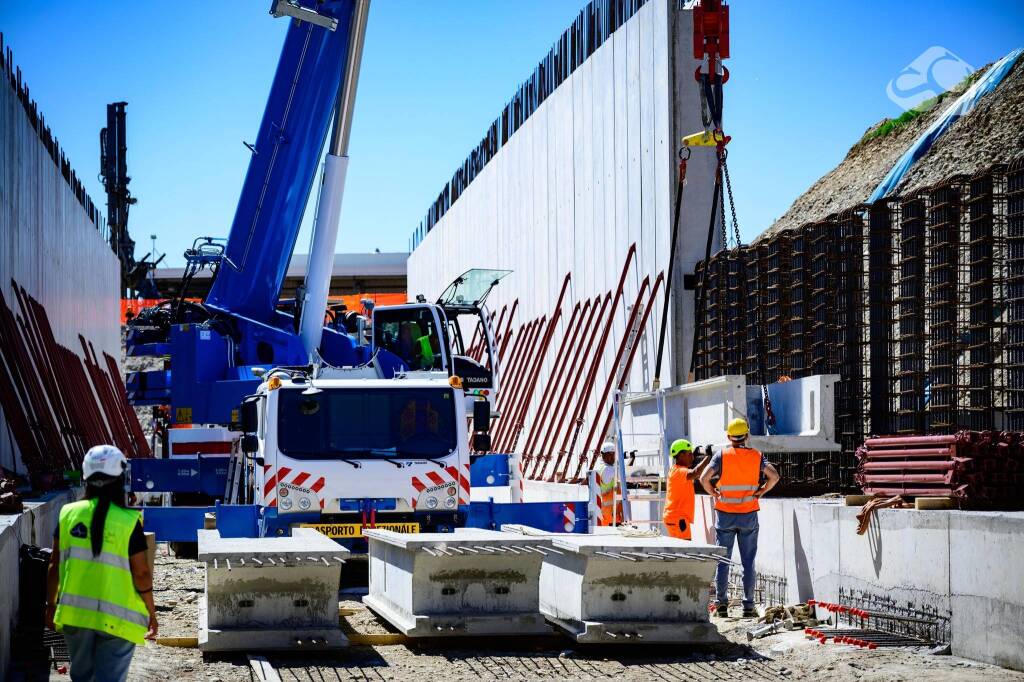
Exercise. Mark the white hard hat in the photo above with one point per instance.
(103, 459)
(608, 447)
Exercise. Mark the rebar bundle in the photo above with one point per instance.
(981, 469)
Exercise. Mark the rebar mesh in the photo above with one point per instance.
(916, 302)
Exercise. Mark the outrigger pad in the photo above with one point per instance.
(616, 588)
(270, 593)
(468, 583)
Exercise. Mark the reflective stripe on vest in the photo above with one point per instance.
(610, 509)
(741, 476)
(106, 607)
(84, 554)
(97, 592)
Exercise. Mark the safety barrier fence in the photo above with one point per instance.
(56, 403)
(917, 302)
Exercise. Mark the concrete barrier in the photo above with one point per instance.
(34, 526)
(270, 593)
(470, 582)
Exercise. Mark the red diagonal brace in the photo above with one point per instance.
(583, 341)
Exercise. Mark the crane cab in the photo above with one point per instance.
(428, 338)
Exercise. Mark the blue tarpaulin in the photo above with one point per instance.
(964, 104)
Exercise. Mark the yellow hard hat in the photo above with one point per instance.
(681, 445)
(737, 428)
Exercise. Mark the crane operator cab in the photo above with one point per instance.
(426, 337)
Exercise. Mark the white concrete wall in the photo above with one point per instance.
(34, 526)
(591, 172)
(49, 246)
(965, 565)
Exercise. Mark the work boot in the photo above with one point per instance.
(750, 612)
(722, 611)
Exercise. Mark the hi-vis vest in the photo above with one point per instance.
(679, 502)
(610, 511)
(741, 476)
(97, 592)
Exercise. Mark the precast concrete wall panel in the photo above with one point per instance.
(51, 246)
(588, 175)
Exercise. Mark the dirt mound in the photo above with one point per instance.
(992, 133)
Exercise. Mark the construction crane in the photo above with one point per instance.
(337, 422)
(135, 278)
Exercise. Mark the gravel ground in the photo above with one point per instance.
(179, 583)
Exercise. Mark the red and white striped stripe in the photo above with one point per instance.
(441, 477)
(569, 517)
(300, 479)
(594, 488)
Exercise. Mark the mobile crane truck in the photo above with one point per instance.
(357, 422)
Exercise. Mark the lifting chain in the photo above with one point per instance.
(732, 204)
(721, 213)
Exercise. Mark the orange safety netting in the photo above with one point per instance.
(351, 301)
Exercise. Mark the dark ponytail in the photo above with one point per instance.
(106, 490)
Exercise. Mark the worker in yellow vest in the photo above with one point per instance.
(99, 585)
(738, 469)
(679, 493)
(611, 510)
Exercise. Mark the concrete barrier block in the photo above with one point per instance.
(270, 593)
(471, 582)
(616, 588)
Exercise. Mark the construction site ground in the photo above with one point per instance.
(179, 586)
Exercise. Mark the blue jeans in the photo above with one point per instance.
(729, 528)
(97, 656)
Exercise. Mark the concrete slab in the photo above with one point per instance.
(617, 588)
(469, 583)
(270, 593)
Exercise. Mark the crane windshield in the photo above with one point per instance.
(367, 423)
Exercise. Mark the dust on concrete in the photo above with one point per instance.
(476, 575)
(179, 582)
(992, 133)
(693, 586)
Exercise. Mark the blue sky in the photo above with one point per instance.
(808, 77)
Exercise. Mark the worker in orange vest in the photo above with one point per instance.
(611, 511)
(738, 469)
(679, 497)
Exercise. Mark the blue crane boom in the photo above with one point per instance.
(284, 162)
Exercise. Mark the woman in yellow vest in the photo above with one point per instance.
(739, 470)
(679, 493)
(99, 586)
